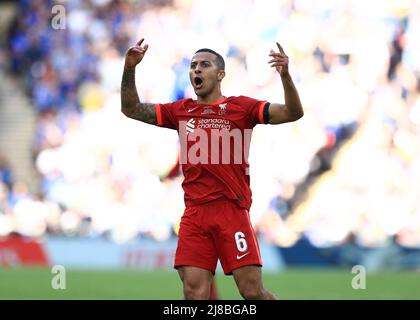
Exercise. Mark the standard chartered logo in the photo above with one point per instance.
(214, 124)
(189, 127)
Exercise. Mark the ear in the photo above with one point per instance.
(220, 75)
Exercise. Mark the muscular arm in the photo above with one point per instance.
(290, 111)
(130, 101)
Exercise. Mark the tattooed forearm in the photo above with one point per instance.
(130, 101)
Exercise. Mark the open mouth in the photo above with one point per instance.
(198, 82)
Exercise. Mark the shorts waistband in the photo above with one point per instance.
(217, 201)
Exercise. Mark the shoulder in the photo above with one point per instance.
(243, 100)
(179, 104)
(184, 102)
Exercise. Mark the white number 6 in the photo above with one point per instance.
(240, 241)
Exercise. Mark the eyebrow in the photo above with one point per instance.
(197, 61)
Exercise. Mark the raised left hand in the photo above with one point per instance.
(279, 60)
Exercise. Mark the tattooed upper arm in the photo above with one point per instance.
(145, 112)
(130, 102)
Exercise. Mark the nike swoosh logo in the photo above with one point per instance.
(191, 110)
(240, 257)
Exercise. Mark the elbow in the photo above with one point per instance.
(296, 116)
(126, 112)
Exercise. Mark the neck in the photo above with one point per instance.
(210, 98)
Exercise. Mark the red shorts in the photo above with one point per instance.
(218, 230)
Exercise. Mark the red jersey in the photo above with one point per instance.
(215, 140)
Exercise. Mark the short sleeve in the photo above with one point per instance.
(166, 114)
(257, 110)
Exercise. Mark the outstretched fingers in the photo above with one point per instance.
(136, 53)
(275, 54)
(137, 50)
(279, 60)
(144, 48)
(280, 48)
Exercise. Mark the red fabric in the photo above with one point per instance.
(210, 232)
(175, 171)
(16, 250)
(205, 182)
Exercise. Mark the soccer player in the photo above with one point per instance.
(216, 223)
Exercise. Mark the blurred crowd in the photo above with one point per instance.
(102, 174)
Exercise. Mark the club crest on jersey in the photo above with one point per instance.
(222, 108)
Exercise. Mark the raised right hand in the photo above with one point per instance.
(135, 54)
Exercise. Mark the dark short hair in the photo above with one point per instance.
(219, 59)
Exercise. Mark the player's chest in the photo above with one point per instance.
(208, 117)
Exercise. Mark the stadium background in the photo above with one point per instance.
(85, 187)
